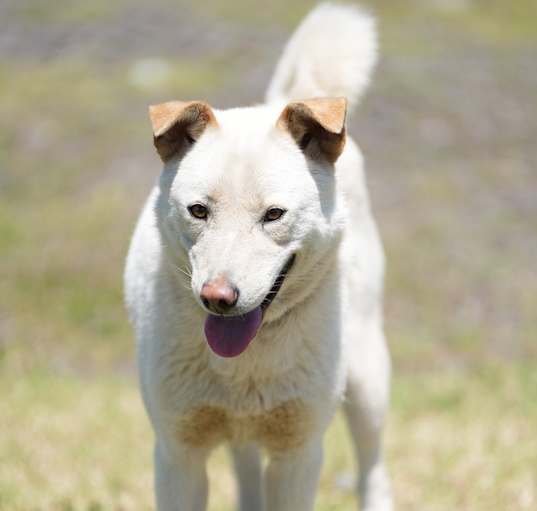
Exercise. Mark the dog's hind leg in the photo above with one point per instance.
(247, 463)
(365, 406)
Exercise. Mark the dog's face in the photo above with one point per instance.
(249, 192)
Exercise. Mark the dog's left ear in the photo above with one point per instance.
(317, 125)
(178, 124)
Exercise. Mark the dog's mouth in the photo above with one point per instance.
(229, 336)
(278, 283)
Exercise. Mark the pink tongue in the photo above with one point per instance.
(229, 336)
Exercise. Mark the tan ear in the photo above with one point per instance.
(178, 124)
(317, 125)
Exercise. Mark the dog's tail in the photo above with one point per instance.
(331, 53)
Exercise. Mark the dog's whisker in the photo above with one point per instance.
(183, 271)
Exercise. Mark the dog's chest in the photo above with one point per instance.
(281, 428)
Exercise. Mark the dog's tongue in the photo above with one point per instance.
(229, 336)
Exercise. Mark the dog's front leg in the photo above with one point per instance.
(180, 479)
(247, 461)
(292, 477)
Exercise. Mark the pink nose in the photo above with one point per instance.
(219, 295)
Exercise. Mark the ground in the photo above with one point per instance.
(448, 129)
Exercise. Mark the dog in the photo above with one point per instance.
(254, 282)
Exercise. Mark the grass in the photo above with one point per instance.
(454, 442)
(448, 133)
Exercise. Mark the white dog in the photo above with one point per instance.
(254, 282)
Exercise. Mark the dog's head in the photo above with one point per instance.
(246, 194)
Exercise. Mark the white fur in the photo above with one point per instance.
(332, 53)
(323, 332)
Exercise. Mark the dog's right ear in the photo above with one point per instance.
(317, 125)
(177, 125)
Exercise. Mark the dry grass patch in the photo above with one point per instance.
(462, 441)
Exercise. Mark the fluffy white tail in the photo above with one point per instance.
(331, 53)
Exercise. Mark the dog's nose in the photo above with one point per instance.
(219, 295)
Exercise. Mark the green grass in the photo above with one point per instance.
(497, 23)
(455, 441)
(41, 11)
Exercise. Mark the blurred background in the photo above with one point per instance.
(449, 132)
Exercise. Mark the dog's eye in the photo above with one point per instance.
(273, 214)
(198, 211)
